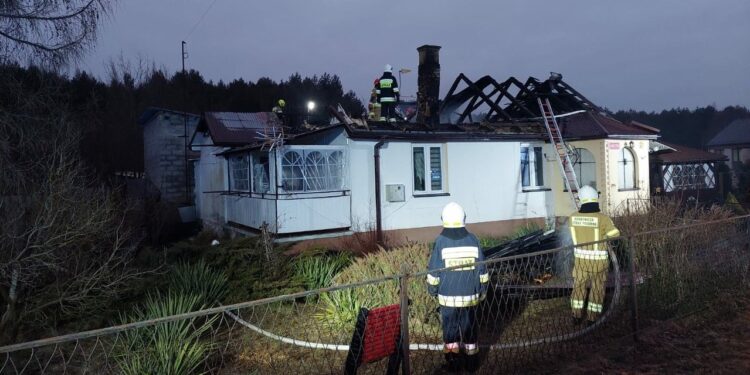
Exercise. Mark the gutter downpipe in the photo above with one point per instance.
(378, 213)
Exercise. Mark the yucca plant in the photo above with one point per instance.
(317, 271)
(171, 348)
(340, 308)
(198, 279)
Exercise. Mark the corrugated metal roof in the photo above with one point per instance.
(736, 133)
(684, 154)
(239, 128)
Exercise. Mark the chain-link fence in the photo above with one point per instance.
(522, 311)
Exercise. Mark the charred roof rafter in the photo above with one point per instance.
(521, 98)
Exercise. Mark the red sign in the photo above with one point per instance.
(381, 332)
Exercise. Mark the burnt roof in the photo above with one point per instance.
(736, 133)
(510, 100)
(239, 128)
(684, 154)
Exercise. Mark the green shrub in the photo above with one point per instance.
(243, 261)
(317, 271)
(198, 279)
(340, 308)
(168, 348)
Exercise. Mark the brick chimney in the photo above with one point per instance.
(428, 80)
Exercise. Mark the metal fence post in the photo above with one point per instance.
(404, 306)
(633, 288)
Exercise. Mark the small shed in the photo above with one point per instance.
(684, 172)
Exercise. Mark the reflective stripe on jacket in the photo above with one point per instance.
(387, 89)
(464, 285)
(591, 227)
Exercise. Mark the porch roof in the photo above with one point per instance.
(683, 155)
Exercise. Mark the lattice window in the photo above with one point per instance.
(312, 170)
(688, 177)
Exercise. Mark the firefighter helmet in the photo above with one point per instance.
(388, 68)
(453, 216)
(587, 194)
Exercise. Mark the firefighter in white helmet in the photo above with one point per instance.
(459, 289)
(591, 261)
(388, 94)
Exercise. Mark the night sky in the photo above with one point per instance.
(641, 54)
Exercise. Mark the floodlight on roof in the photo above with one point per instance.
(310, 106)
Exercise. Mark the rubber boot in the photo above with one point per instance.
(452, 362)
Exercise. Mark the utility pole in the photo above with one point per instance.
(184, 117)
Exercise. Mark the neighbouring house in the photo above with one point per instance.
(164, 153)
(734, 142)
(685, 173)
(396, 177)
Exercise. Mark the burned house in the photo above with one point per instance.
(483, 146)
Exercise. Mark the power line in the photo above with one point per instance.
(200, 19)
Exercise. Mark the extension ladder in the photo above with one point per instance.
(563, 156)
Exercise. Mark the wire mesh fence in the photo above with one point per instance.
(533, 307)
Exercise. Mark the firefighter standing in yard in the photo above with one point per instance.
(458, 290)
(388, 94)
(591, 261)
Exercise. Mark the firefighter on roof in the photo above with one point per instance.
(459, 290)
(591, 261)
(388, 94)
(373, 106)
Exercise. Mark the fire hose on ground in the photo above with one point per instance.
(439, 347)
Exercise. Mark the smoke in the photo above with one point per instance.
(564, 258)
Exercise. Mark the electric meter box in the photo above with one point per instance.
(395, 193)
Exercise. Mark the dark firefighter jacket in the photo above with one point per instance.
(463, 286)
(387, 89)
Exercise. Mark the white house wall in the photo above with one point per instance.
(251, 212)
(484, 177)
(314, 214)
(210, 175)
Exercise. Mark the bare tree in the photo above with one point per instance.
(51, 31)
(65, 247)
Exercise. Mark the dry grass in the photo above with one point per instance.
(686, 267)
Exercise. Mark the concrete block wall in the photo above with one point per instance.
(164, 155)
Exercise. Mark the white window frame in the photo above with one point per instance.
(621, 163)
(232, 170)
(313, 185)
(532, 167)
(580, 166)
(426, 149)
(253, 157)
